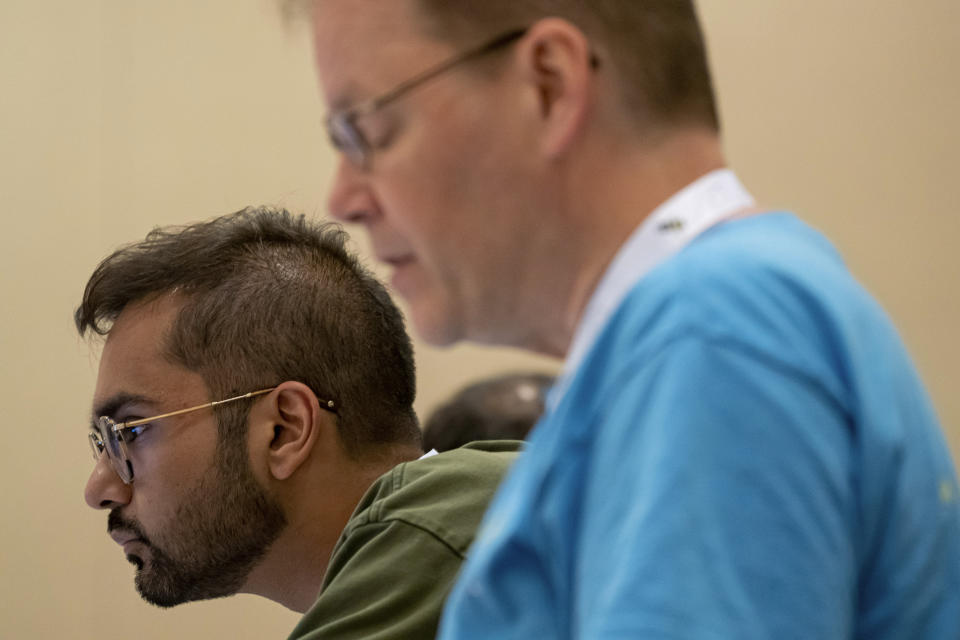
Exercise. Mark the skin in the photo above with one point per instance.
(500, 197)
(171, 518)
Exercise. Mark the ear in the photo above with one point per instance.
(296, 425)
(558, 64)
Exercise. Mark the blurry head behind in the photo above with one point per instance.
(500, 408)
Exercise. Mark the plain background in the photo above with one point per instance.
(116, 116)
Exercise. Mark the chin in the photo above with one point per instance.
(437, 336)
(435, 327)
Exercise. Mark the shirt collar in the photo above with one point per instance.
(712, 198)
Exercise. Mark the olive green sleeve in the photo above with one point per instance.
(389, 581)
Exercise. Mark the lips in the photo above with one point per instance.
(126, 532)
(123, 538)
(397, 261)
(391, 250)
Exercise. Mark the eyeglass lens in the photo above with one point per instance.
(347, 137)
(105, 438)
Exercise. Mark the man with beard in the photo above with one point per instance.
(253, 430)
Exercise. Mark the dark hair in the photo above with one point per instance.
(498, 408)
(271, 297)
(655, 47)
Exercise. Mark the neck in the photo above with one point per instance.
(293, 570)
(601, 200)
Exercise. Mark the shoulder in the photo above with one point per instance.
(768, 287)
(769, 283)
(471, 472)
(445, 494)
(756, 268)
(399, 554)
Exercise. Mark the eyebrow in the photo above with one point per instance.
(112, 405)
(349, 94)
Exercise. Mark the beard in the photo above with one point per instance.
(222, 528)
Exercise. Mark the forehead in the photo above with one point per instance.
(133, 360)
(362, 47)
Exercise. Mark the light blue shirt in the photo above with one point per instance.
(744, 452)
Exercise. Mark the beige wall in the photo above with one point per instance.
(115, 116)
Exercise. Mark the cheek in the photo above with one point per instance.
(157, 492)
(164, 476)
(419, 207)
(450, 185)
(166, 455)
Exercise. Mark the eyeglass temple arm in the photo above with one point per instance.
(420, 78)
(324, 404)
(137, 423)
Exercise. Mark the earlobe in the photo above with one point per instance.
(561, 69)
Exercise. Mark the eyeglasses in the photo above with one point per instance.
(349, 139)
(112, 437)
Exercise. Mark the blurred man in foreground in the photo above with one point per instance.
(254, 430)
(739, 446)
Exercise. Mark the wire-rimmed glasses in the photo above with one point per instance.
(348, 138)
(112, 437)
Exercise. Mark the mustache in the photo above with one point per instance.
(117, 520)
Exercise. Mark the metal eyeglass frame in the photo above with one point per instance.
(107, 435)
(348, 138)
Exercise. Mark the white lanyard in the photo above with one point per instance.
(713, 198)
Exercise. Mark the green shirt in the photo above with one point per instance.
(400, 552)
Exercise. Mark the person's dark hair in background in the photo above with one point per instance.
(503, 407)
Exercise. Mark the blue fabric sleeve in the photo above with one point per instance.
(719, 502)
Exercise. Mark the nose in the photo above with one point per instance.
(351, 199)
(105, 489)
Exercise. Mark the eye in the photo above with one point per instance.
(378, 130)
(371, 130)
(344, 132)
(129, 434)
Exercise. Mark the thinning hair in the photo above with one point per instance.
(655, 48)
(270, 297)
